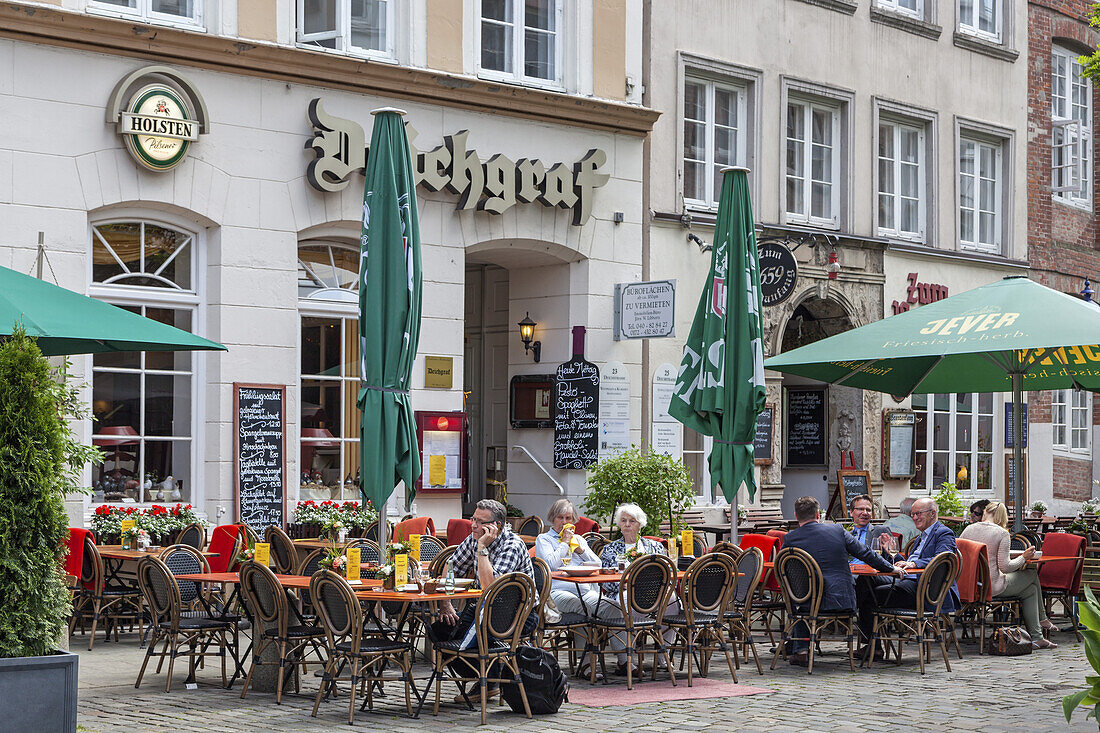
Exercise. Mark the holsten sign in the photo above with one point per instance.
(156, 127)
(493, 185)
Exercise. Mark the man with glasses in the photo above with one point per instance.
(934, 538)
(903, 523)
(868, 535)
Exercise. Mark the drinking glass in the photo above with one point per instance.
(620, 561)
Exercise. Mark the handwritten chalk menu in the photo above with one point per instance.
(259, 450)
(577, 423)
(762, 441)
(806, 427)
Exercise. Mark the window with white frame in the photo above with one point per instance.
(520, 39)
(328, 288)
(1069, 416)
(714, 137)
(954, 441)
(981, 178)
(901, 180)
(350, 26)
(163, 10)
(1071, 122)
(912, 8)
(982, 18)
(695, 451)
(813, 163)
(143, 401)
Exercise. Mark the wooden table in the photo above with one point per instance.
(858, 569)
(118, 552)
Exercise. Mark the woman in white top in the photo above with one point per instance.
(1012, 577)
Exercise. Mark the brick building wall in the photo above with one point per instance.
(1062, 239)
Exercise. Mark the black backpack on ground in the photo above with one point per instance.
(545, 684)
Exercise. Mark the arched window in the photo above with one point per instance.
(328, 293)
(143, 401)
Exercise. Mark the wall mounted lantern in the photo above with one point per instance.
(526, 333)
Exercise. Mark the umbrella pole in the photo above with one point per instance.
(1017, 451)
(733, 520)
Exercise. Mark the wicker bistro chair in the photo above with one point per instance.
(311, 563)
(369, 550)
(501, 613)
(267, 601)
(739, 610)
(1019, 542)
(530, 525)
(728, 548)
(800, 578)
(561, 635)
(193, 535)
(283, 551)
(646, 587)
(700, 626)
(341, 618)
(97, 599)
(162, 596)
(439, 562)
(595, 541)
(430, 547)
(925, 624)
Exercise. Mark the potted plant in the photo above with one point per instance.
(40, 462)
(657, 483)
(385, 573)
(1038, 509)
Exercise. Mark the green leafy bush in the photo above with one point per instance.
(949, 500)
(647, 479)
(40, 462)
(1089, 611)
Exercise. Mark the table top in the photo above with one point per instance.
(367, 589)
(1051, 558)
(118, 552)
(608, 576)
(859, 569)
(288, 581)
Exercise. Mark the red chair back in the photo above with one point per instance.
(75, 560)
(767, 546)
(778, 534)
(1062, 575)
(584, 525)
(972, 556)
(457, 530)
(222, 542)
(416, 525)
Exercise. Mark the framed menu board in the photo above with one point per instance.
(849, 484)
(806, 427)
(765, 430)
(899, 459)
(259, 454)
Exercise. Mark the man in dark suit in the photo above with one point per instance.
(933, 539)
(860, 508)
(830, 546)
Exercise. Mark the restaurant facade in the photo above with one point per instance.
(202, 165)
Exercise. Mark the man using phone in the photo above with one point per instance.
(491, 550)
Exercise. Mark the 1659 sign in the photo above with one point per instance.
(778, 273)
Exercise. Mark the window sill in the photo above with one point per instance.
(983, 46)
(848, 7)
(523, 81)
(1077, 454)
(896, 238)
(962, 254)
(183, 24)
(906, 23)
(816, 224)
(359, 54)
(1082, 207)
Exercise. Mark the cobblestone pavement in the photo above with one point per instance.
(981, 693)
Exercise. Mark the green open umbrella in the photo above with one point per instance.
(720, 388)
(64, 322)
(389, 315)
(1008, 335)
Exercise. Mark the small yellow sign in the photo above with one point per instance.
(127, 525)
(687, 542)
(414, 547)
(437, 470)
(439, 372)
(354, 563)
(673, 549)
(400, 569)
(262, 553)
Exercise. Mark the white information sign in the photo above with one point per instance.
(668, 438)
(664, 386)
(614, 409)
(645, 310)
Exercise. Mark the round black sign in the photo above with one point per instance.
(778, 273)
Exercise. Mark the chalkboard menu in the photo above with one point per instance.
(855, 483)
(806, 427)
(898, 457)
(259, 451)
(577, 417)
(762, 442)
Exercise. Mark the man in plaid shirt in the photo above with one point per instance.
(491, 550)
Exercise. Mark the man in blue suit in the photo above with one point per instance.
(860, 508)
(830, 546)
(933, 539)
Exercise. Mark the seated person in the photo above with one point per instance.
(558, 542)
(1012, 577)
(977, 511)
(860, 509)
(903, 523)
(934, 538)
(630, 519)
(491, 550)
(830, 546)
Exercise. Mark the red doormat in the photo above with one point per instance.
(702, 688)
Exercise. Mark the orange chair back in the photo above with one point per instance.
(1062, 575)
(222, 542)
(584, 525)
(75, 560)
(972, 555)
(457, 530)
(416, 525)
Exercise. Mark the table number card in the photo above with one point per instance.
(353, 564)
(262, 553)
(414, 547)
(687, 542)
(400, 569)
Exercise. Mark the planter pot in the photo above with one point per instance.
(46, 690)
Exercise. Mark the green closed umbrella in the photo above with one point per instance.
(1006, 336)
(64, 322)
(720, 388)
(389, 315)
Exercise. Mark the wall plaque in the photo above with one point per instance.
(439, 372)
(778, 273)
